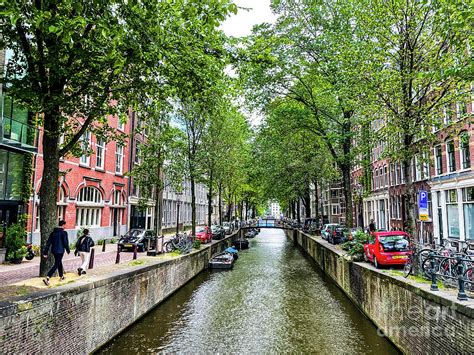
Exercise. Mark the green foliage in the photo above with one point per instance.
(197, 244)
(355, 247)
(16, 238)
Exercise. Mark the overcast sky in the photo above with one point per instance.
(241, 24)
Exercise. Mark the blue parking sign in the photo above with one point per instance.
(422, 199)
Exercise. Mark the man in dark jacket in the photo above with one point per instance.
(58, 242)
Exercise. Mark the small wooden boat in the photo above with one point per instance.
(241, 244)
(222, 261)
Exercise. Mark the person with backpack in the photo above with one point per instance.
(58, 242)
(83, 248)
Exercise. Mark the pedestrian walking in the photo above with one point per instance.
(83, 248)
(59, 243)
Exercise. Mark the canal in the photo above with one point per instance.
(274, 300)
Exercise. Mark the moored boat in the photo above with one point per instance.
(222, 261)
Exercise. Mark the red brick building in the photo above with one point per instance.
(93, 189)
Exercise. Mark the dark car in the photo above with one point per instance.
(140, 237)
(217, 232)
(339, 235)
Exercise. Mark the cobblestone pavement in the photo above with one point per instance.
(10, 274)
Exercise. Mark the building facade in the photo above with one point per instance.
(446, 173)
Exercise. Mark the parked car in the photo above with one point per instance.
(203, 234)
(387, 248)
(228, 228)
(310, 225)
(329, 229)
(217, 232)
(139, 237)
(339, 235)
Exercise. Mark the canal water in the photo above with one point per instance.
(274, 300)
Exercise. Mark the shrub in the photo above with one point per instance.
(355, 247)
(15, 239)
(197, 244)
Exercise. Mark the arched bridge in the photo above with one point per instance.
(270, 223)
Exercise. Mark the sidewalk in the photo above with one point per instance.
(10, 274)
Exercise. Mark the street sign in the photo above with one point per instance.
(423, 205)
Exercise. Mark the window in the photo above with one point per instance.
(61, 204)
(453, 213)
(119, 159)
(121, 124)
(137, 154)
(468, 210)
(89, 207)
(85, 144)
(417, 167)
(448, 114)
(464, 150)
(438, 160)
(426, 166)
(385, 168)
(450, 156)
(100, 153)
(335, 209)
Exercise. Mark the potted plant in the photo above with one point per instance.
(15, 241)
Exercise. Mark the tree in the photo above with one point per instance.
(310, 56)
(77, 62)
(414, 68)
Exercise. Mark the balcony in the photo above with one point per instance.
(18, 135)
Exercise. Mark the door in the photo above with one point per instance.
(116, 221)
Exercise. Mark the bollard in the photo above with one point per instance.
(434, 285)
(460, 266)
(134, 252)
(91, 260)
(117, 258)
(162, 244)
(103, 245)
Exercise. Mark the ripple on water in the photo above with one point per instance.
(273, 301)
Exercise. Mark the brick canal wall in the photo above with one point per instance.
(79, 318)
(416, 320)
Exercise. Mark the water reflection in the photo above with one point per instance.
(275, 300)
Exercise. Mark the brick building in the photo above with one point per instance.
(447, 173)
(93, 189)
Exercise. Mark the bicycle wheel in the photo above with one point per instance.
(168, 247)
(469, 278)
(407, 269)
(427, 270)
(448, 270)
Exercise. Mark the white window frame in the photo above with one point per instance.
(448, 160)
(100, 154)
(462, 152)
(85, 144)
(438, 168)
(119, 159)
(89, 205)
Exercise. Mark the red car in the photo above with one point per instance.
(203, 234)
(387, 248)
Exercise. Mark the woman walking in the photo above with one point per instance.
(83, 248)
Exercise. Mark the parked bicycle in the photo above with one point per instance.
(181, 242)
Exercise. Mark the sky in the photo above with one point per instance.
(241, 24)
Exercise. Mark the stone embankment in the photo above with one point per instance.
(82, 316)
(415, 319)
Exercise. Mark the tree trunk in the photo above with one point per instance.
(209, 200)
(307, 203)
(409, 203)
(298, 210)
(48, 193)
(293, 209)
(346, 182)
(220, 202)
(193, 205)
(316, 199)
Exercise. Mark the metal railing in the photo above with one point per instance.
(14, 131)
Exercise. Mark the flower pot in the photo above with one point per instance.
(16, 260)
